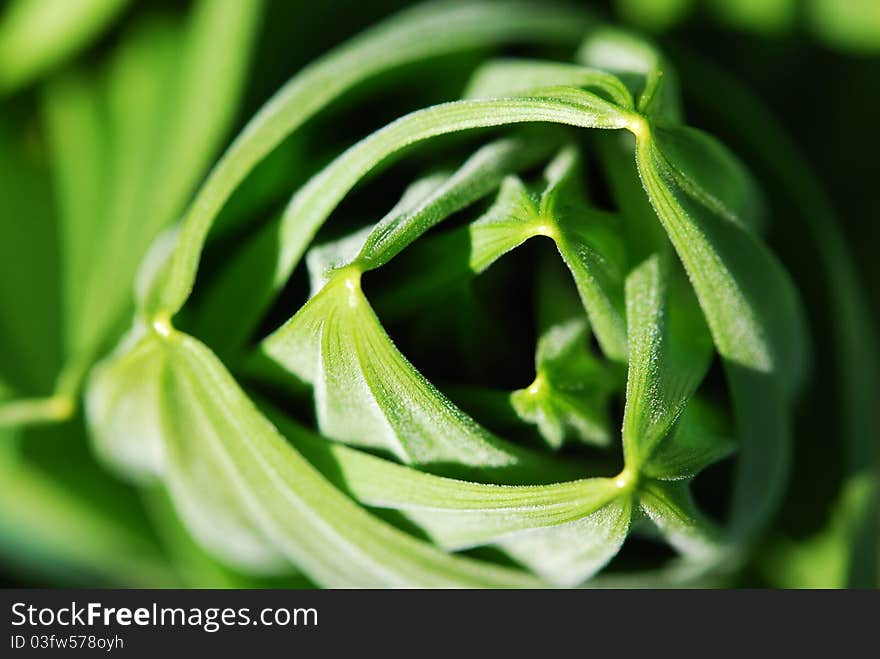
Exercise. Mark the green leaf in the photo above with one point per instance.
(134, 423)
(843, 298)
(582, 235)
(195, 567)
(509, 222)
(589, 244)
(253, 501)
(571, 390)
(671, 508)
(700, 438)
(459, 514)
(227, 310)
(570, 393)
(668, 359)
(136, 90)
(783, 167)
(643, 235)
(236, 454)
(417, 34)
(215, 56)
(564, 532)
(585, 238)
(322, 260)
(122, 407)
(763, 428)
(313, 203)
(368, 394)
(713, 175)
(213, 512)
(36, 35)
(478, 176)
(749, 301)
(756, 323)
(574, 552)
(465, 251)
(426, 203)
(639, 65)
(504, 77)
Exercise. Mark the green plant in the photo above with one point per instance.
(319, 447)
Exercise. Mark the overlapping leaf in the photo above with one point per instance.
(639, 65)
(668, 358)
(368, 394)
(365, 391)
(255, 502)
(420, 33)
(765, 141)
(504, 77)
(564, 532)
(748, 300)
(755, 319)
(236, 454)
(571, 388)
